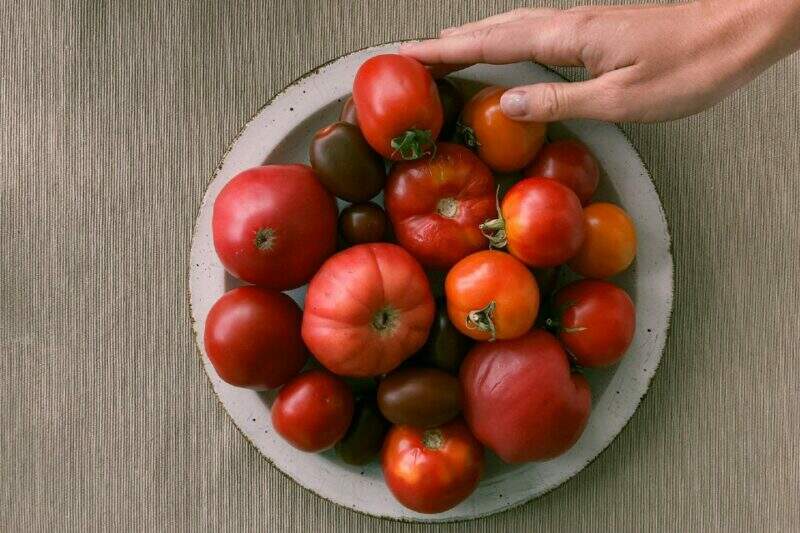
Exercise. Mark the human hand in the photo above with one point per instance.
(647, 63)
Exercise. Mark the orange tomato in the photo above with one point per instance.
(505, 145)
(609, 245)
(491, 295)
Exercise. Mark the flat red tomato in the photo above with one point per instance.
(597, 321)
(521, 399)
(368, 309)
(504, 144)
(610, 244)
(313, 411)
(432, 470)
(274, 225)
(570, 163)
(436, 205)
(541, 222)
(491, 295)
(252, 337)
(398, 106)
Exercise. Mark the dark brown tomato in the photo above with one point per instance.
(361, 223)
(364, 438)
(345, 164)
(446, 346)
(419, 397)
(452, 102)
(348, 113)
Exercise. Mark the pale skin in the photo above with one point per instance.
(647, 63)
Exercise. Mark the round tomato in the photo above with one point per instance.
(252, 337)
(362, 223)
(274, 225)
(398, 106)
(348, 113)
(437, 204)
(421, 397)
(490, 295)
(313, 411)
(446, 346)
(367, 310)
(596, 323)
(364, 438)
(432, 470)
(521, 399)
(610, 243)
(505, 145)
(570, 163)
(541, 223)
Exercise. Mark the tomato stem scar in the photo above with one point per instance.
(481, 319)
(265, 238)
(433, 439)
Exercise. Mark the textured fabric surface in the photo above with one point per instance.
(113, 117)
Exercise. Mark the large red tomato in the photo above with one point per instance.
(541, 222)
(274, 225)
(313, 411)
(398, 106)
(570, 163)
(368, 309)
(432, 470)
(437, 205)
(252, 337)
(521, 399)
(597, 321)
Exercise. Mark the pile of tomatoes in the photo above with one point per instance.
(441, 326)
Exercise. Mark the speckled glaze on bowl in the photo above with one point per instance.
(280, 133)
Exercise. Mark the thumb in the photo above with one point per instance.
(548, 102)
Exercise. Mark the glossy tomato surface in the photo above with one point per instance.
(367, 310)
(610, 244)
(313, 411)
(597, 321)
(363, 223)
(491, 295)
(569, 162)
(432, 470)
(274, 225)
(421, 397)
(252, 337)
(505, 145)
(398, 106)
(437, 204)
(521, 398)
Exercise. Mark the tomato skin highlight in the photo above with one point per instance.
(597, 322)
(395, 94)
(252, 338)
(431, 471)
(610, 244)
(569, 162)
(437, 204)
(274, 225)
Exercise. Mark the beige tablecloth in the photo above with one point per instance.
(112, 120)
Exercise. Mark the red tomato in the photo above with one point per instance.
(367, 310)
(490, 295)
(274, 225)
(597, 321)
(570, 163)
(610, 244)
(541, 223)
(436, 205)
(521, 400)
(398, 106)
(432, 470)
(504, 144)
(252, 337)
(313, 411)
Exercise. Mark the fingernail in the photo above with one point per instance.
(513, 103)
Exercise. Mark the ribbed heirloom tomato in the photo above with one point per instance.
(569, 162)
(437, 204)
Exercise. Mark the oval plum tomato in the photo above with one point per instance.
(610, 244)
(398, 106)
(521, 399)
(252, 337)
(432, 470)
(437, 204)
(569, 162)
(367, 310)
(596, 323)
(313, 411)
(541, 222)
(421, 397)
(490, 295)
(274, 225)
(505, 145)
(362, 223)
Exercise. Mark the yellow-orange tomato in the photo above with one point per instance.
(491, 295)
(505, 145)
(610, 242)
